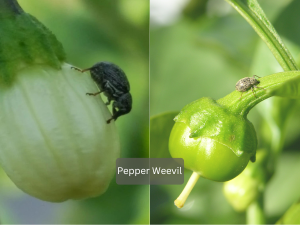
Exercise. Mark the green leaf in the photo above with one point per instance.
(292, 215)
(255, 16)
(160, 129)
(288, 89)
(276, 112)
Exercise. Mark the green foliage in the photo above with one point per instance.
(246, 188)
(288, 89)
(255, 16)
(292, 215)
(160, 129)
(24, 42)
(206, 57)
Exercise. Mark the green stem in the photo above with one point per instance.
(256, 17)
(179, 202)
(243, 105)
(255, 212)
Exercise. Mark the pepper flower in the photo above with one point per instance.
(55, 143)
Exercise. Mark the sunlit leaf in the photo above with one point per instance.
(292, 215)
(160, 128)
(289, 89)
(256, 17)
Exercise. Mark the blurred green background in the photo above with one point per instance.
(92, 31)
(202, 49)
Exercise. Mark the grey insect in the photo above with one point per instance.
(112, 81)
(247, 82)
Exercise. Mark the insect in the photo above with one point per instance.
(247, 82)
(112, 81)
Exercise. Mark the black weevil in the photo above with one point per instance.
(112, 81)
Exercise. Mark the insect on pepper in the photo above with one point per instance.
(247, 82)
(112, 81)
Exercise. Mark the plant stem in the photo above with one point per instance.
(255, 212)
(9, 8)
(179, 202)
(242, 106)
(256, 17)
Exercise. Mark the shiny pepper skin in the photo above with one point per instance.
(213, 142)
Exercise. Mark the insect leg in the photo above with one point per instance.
(241, 95)
(259, 87)
(256, 76)
(108, 121)
(110, 92)
(75, 68)
(86, 69)
(115, 112)
(109, 100)
(253, 92)
(80, 70)
(94, 94)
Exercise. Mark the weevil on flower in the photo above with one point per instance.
(112, 81)
(55, 145)
(247, 82)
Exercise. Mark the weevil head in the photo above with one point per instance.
(103, 65)
(97, 67)
(254, 81)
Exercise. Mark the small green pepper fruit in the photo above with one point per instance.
(55, 143)
(246, 188)
(213, 141)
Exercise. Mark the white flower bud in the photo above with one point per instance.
(55, 143)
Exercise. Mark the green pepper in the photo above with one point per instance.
(248, 187)
(215, 138)
(213, 141)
